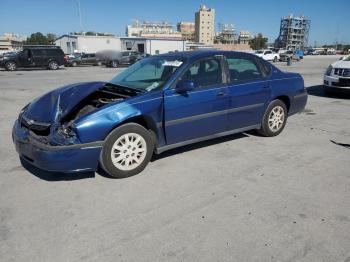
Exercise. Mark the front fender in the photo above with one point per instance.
(97, 126)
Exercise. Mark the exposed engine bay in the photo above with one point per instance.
(103, 96)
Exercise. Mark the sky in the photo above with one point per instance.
(329, 24)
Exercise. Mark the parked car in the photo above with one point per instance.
(83, 59)
(157, 104)
(268, 55)
(50, 57)
(113, 58)
(337, 76)
(289, 55)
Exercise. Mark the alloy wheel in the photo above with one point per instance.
(276, 118)
(129, 151)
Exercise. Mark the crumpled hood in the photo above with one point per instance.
(52, 106)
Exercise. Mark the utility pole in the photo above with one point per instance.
(79, 13)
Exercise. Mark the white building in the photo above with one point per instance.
(152, 30)
(87, 44)
(93, 44)
(153, 46)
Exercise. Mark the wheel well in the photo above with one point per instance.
(144, 121)
(285, 100)
(10, 61)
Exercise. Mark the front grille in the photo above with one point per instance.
(39, 128)
(342, 72)
(343, 82)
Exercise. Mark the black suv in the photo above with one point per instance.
(50, 57)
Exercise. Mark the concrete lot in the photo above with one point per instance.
(239, 198)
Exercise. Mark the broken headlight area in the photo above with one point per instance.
(67, 130)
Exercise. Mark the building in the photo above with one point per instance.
(187, 30)
(204, 25)
(11, 42)
(226, 35)
(152, 30)
(244, 37)
(87, 44)
(294, 33)
(152, 46)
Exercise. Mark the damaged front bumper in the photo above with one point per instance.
(56, 158)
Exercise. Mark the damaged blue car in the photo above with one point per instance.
(157, 104)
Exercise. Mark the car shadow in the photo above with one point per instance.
(198, 145)
(29, 69)
(59, 176)
(55, 176)
(318, 90)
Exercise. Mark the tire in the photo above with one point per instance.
(275, 59)
(114, 64)
(53, 65)
(74, 64)
(11, 66)
(275, 119)
(99, 63)
(120, 154)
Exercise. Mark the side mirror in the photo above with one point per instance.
(184, 86)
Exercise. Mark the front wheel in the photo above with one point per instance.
(127, 150)
(114, 64)
(11, 66)
(275, 59)
(275, 119)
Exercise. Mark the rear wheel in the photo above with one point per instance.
(53, 65)
(275, 59)
(274, 119)
(127, 150)
(74, 64)
(11, 66)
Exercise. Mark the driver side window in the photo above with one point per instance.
(204, 73)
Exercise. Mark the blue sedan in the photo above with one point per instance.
(157, 104)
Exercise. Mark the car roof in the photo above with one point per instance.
(200, 53)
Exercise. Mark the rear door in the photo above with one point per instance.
(201, 112)
(248, 90)
(39, 57)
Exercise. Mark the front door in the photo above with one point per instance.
(25, 58)
(248, 90)
(201, 112)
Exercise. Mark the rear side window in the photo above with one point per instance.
(204, 73)
(243, 69)
(54, 52)
(39, 52)
(265, 67)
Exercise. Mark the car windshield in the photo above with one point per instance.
(148, 74)
(346, 58)
(259, 52)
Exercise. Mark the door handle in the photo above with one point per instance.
(221, 93)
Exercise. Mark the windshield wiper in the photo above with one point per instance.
(126, 88)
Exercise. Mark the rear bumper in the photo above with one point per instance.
(71, 158)
(298, 103)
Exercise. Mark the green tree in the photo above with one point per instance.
(39, 38)
(258, 42)
(51, 38)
